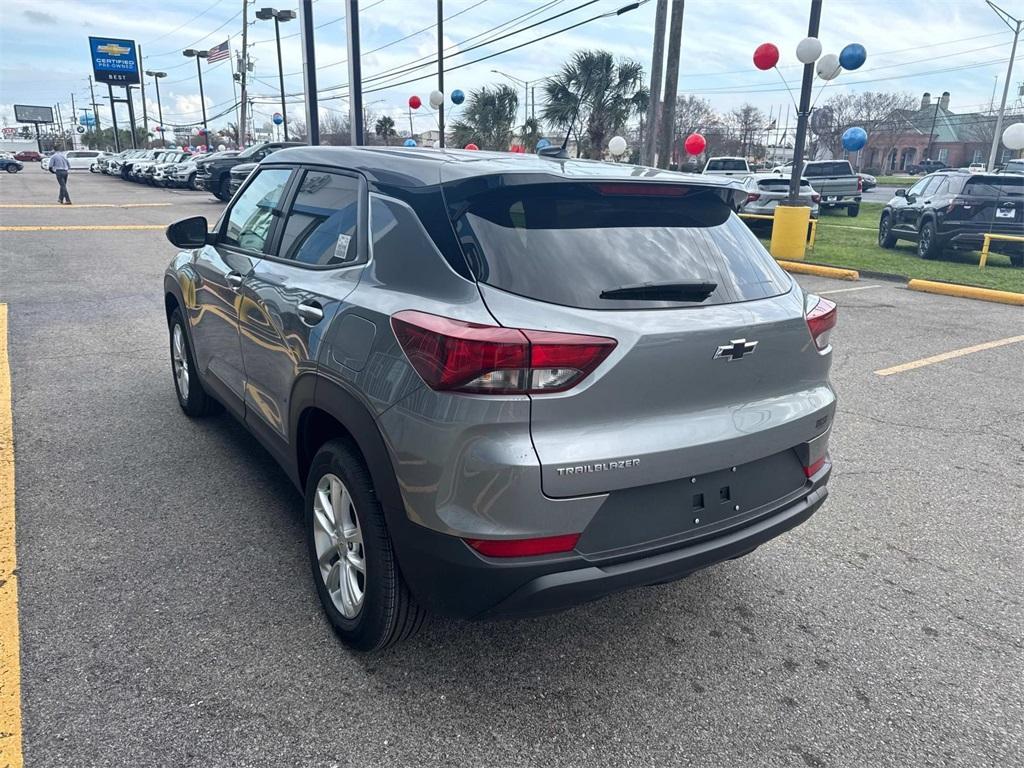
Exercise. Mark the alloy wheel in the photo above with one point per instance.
(179, 359)
(339, 545)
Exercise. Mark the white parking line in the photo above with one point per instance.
(844, 290)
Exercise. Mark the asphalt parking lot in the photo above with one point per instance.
(167, 616)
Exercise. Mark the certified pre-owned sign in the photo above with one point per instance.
(114, 61)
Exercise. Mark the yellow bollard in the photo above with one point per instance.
(789, 232)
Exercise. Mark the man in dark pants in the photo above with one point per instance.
(59, 165)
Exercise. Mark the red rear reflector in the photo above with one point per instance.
(752, 196)
(812, 470)
(821, 319)
(482, 359)
(815, 198)
(524, 547)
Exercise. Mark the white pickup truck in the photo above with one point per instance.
(837, 184)
(727, 166)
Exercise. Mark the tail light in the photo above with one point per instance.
(752, 196)
(821, 319)
(815, 198)
(453, 355)
(815, 468)
(860, 184)
(547, 545)
(955, 203)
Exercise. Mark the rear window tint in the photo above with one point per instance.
(727, 165)
(995, 186)
(566, 243)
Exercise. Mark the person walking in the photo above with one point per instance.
(59, 165)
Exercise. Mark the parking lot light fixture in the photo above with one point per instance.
(192, 52)
(266, 14)
(159, 108)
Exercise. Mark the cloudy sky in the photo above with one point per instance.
(913, 45)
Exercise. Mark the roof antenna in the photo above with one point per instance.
(560, 153)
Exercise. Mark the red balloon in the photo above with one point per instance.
(695, 143)
(766, 56)
(472, 146)
(414, 102)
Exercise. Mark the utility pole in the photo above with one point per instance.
(245, 70)
(131, 112)
(668, 110)
(657, 64)
(74, 113)
(355, 73)
(804, 112)
(440, 70)
(309, 72)
(145, 112)
(95, 112)
(113, 117)
(1016, 27)
(931, 131)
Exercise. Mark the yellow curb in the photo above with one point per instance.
(10, 663)
(82, 227)
(86, 205)
(801, 268)
(967, 292)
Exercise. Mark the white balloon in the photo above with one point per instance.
(828, 66)
(617, 146)
(221, 147)
(436, 99)
(1013, 136)
(808, 50)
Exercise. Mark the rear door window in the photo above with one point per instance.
(322, 222)
(566, 243)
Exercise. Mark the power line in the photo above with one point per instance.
(176, 29)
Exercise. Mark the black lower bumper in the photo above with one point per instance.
(449, 578)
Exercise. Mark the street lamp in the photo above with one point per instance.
(266, 14)
(160, 110)
(190, 52)
(528, 111)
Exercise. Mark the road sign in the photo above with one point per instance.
(10, 133)
(26, 113)
(114, 61)
(88, 120)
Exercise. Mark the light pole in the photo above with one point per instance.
(265, 14)
(525, 84)
(190, 52)
(159, 108)
(1016, 27)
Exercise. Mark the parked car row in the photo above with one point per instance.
(158, 167)
(214, 173)
(78, 159)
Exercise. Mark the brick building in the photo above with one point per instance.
(933, 131)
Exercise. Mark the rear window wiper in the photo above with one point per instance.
(685, 291)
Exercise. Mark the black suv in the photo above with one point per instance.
(955, 209)
(926, 166)
(214, 175)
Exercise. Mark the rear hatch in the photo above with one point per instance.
(696, 383)
(832, 180)
(991, 203)
(770, 192)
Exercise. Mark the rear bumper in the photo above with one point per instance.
(975, 240)
(448, 577)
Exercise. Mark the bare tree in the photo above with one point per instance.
(748, 122)
(334, 129)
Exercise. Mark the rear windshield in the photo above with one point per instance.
(727, 165)
(995, 186)
(828, 169)
(781, 184)
(566, 243)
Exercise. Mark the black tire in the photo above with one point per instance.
(928, 246)
(852, 211)
(197, 402)
(886, 239)
(1017, 259)
(191, 181)
(12, 169)
(388, 613)
(223, 189)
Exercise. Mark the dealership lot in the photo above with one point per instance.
(167, 615)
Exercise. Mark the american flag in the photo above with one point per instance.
(219, 53)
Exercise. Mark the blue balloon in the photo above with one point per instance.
(853, 56)
(458, 96)
(543, 144)
(278, 118)
(854, 139)
(409, 143)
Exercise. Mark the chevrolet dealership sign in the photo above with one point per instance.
(114, 61)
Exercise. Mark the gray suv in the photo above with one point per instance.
(505, 384)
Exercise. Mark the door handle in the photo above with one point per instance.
(234, 279)
(311, 313)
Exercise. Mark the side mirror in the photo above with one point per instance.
(189, 233)
(901, 193)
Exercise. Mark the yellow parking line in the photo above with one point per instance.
(10, 661)
(949, 355)
(80, 227)
(86, 205)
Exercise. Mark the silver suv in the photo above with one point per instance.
(505, 384)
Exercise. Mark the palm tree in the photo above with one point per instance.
(487, 118)
(385, 128)
(531, 134)
(606, 93)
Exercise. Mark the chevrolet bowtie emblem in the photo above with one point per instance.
(113, 49)
(735, 349)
